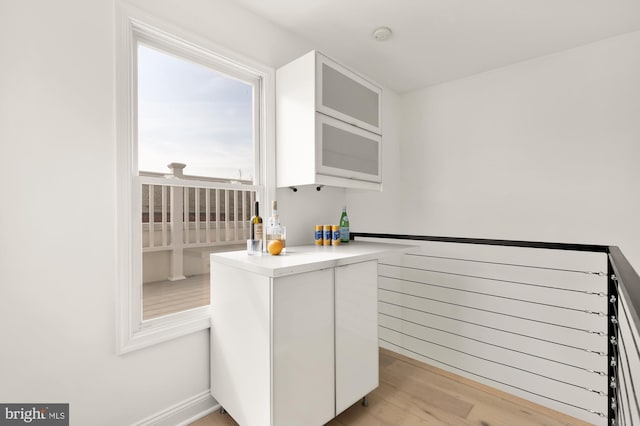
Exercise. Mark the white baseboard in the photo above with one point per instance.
(183, 413)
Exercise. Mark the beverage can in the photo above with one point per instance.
(318, 235)
(326, 235)
(335, 235)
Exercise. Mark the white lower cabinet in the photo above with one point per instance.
(303, 349)
(356, 306)
(293, 350)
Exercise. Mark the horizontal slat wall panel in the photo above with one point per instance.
(467, 295)
(518, 319)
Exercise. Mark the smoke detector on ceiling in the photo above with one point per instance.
(382, 33)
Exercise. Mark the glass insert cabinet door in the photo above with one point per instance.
(347, 151)
(347, 96)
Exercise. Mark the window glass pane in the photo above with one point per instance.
(191, 114)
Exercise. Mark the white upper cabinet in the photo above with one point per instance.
(328, 125)
(346, 96)
(346, 151)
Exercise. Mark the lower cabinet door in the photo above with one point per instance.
(303, 349)
(356, 316)
(240, 355)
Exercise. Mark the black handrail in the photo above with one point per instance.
(622, 278)
(625, 273)
(488, 242)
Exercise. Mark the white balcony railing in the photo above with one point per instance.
(182, 212)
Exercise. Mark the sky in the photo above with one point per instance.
(191, 114)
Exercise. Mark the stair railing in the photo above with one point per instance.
(554, 323)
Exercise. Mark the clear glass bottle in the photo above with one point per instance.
(275, 231)
(274, 219)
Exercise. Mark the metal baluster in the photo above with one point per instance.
(612, 332)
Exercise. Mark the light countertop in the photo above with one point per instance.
(299, 259)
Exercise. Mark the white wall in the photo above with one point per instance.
(307, 207)
(58, 194)
(303, 209)
(543, 150)
(373, 211)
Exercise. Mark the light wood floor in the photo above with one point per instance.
(167, 297)
(413, 393)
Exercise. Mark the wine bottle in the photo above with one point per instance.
(344, 226)
(255, 226)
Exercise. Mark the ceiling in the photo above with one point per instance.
(440, 40)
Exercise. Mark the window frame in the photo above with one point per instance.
(134, 27)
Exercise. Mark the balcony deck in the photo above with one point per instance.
(412, 393)
(168, 297)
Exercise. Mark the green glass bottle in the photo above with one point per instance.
(344, 226)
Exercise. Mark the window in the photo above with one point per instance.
(192, 113)
(192, 119)
(192, 155)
